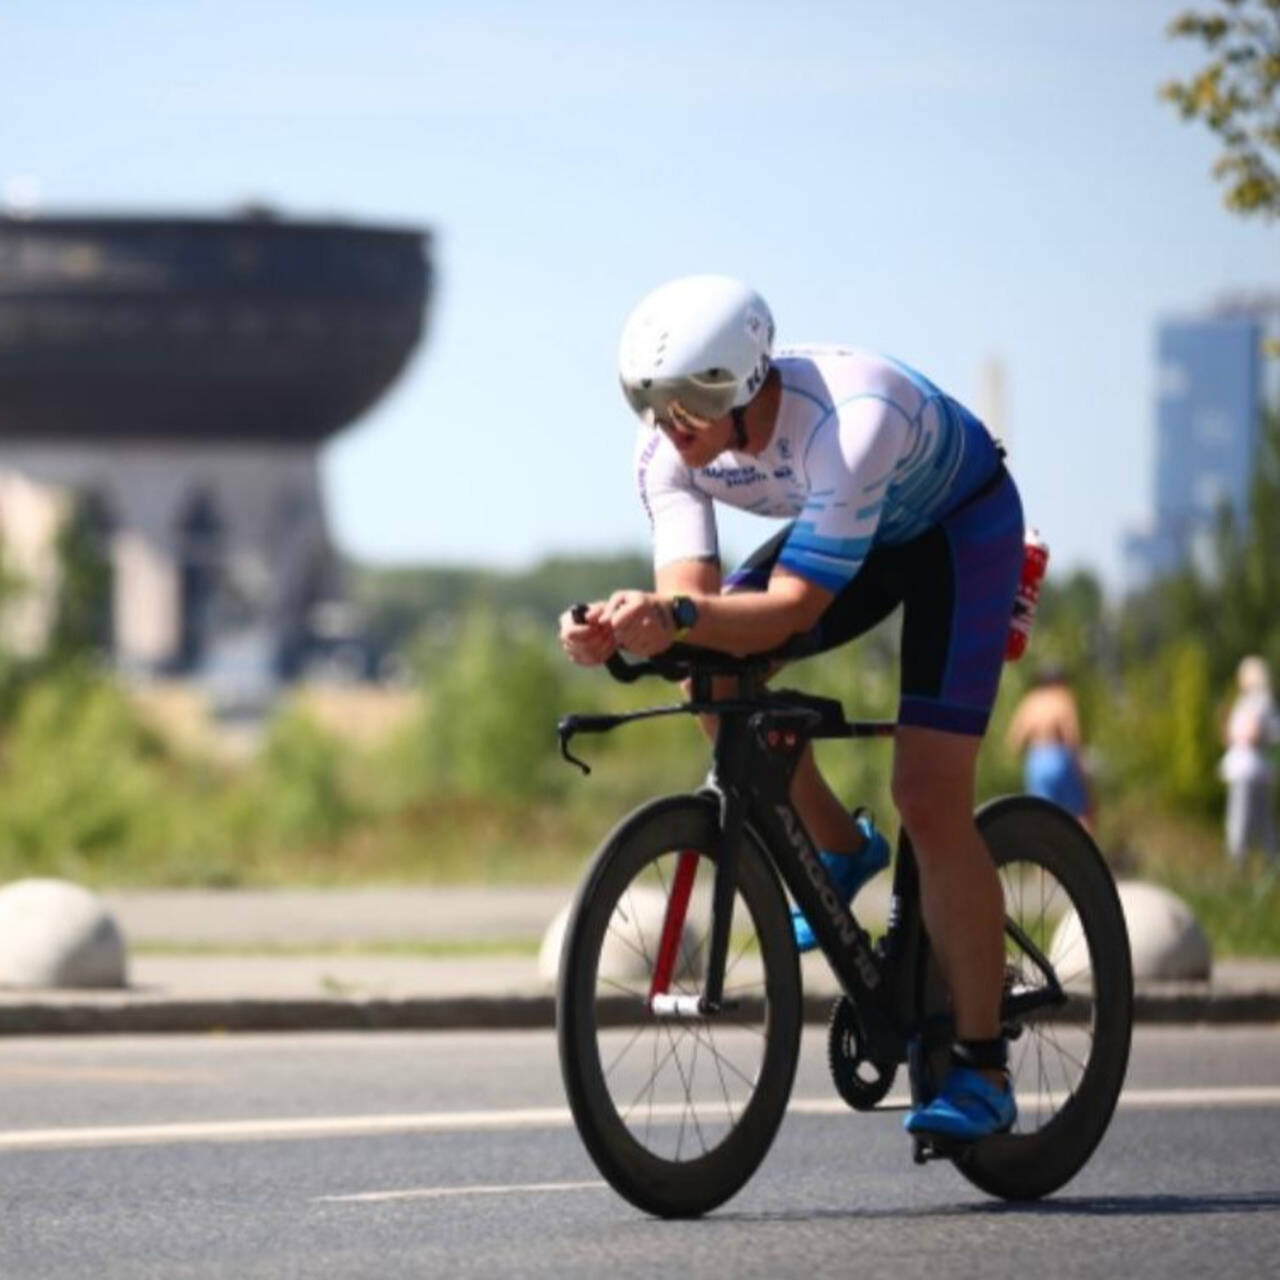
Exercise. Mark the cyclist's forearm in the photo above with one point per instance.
(755, 621)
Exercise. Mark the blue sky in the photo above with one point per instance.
(945, 183)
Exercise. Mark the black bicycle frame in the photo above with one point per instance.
(761, 747)
(760, 738)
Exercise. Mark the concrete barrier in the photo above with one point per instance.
(1167, 941)
(56, 934)
(631, 943)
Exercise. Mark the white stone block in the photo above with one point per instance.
(1165, 938)
(631, 944)
(57, 934)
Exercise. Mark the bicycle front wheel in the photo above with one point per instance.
(1063, 923)
(676, 1111)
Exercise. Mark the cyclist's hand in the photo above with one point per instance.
(590, 642)
(641, 622)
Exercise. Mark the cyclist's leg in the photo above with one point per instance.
(962, 576)
(960, 894)
(825, 816)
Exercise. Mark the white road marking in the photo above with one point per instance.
(273, 1130)
(441, 1193)
(284, 1129)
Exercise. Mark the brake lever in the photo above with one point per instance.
(565, 730)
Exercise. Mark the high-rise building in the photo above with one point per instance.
(1210, 394)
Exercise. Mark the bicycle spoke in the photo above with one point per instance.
(649, 1085)
(626, 1049)
(642, 996)
(742, 950)
(653, 1084)
(638, 951)
(721, 1058)
(1065, 1061)
(754, 1028)
(717, 1058)
(688, 1098)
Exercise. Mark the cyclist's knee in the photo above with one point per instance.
(918, 809)
(930, 808)
(933, 778)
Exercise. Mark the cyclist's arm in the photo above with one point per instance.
(850, 460)
(752, 621)
(695, 578)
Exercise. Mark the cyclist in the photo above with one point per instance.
(896, 494)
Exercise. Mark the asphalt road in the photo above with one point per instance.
(443, 1155)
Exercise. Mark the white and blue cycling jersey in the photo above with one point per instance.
(865, 452)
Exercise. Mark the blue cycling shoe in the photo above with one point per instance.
(848, 872)
(968, 1107)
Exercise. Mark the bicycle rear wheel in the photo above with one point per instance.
(676, 1112)
(1068, 1062)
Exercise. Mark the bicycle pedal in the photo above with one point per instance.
(928, 1148)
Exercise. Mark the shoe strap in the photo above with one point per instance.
(981, 1055)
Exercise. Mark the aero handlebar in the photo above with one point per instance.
(679, 661)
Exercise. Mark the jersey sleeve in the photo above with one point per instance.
(850, 460)
(682, 518)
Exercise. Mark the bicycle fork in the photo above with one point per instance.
(732, 820)
(711, 999)
(660, 1000)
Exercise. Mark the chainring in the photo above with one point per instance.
(861, 1082)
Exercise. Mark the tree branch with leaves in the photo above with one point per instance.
(1237, 95)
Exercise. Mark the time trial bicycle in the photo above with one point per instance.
(679, 1002)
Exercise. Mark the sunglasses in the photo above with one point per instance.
(700, 397)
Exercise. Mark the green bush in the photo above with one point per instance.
(79, 779)
(494, 690)
(299, 785)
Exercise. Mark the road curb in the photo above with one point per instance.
(143, 1016)
(116, 1014)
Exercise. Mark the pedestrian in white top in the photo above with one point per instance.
(1253, 728)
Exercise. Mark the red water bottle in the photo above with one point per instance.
(1034, 562)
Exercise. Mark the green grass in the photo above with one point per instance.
(1239, 910)
(1240, 913)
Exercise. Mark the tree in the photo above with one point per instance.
(82, 620)
(1232, 604)
(1235, 94)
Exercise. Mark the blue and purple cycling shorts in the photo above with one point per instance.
(956, 583)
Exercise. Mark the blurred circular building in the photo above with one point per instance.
(165, 387)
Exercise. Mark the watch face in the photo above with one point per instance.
(684, 611)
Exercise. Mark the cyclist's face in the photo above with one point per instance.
(698, 441)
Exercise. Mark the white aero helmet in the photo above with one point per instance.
(704, 341)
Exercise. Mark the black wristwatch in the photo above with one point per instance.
(684, 613)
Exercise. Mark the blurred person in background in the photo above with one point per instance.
(1253, 728)
(1045, 731)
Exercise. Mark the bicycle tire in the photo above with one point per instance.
(1058, 1128)
(631, 1144)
